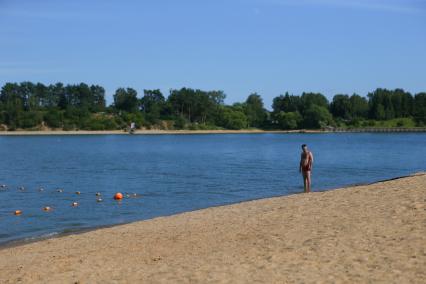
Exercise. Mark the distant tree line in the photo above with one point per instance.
(70, 107)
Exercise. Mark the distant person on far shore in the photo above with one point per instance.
(132, 128)
(305, 167)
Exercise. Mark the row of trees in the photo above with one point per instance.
(29, 105)
(312, 110)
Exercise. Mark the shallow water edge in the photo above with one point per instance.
(25, 241)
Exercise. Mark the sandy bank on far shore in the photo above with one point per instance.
(190, 132)
(147, 132)
(366, 234)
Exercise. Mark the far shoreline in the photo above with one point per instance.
(147, 132)
(190, 132)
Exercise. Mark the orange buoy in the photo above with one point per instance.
(118, 196)
(47, 208)
(74, 204)
(18, 212)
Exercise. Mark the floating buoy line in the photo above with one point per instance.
(117, 196)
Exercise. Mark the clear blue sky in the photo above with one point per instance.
(238, 46)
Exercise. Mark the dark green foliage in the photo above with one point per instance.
(97, 101)
(308, 111)
(349, 108)
(101, 122)
(153, 105)
(420, 108)
(233, 118)
(389, 104)
(54, 118)
(286, 103)
(2, 114)
(180, 123)
(255, 111)
(358, 107)
(76, 117)
(30, 119)
(317, 117)
(341, 106)
(126, 100)
(30, 105)
(307, 100)
(196, 106)
(289, 120)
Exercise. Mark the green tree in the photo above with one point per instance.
(76, 117)
(126, 99)
(26, 91)
(13, 104)
(97, 98)
(341, 106)
(152, 104)
(420, 108)
(380, 113)
(286, 103)
(212, 106)
(316, 117)
(256, 113)
(233, 118)
(182, 102)
(54, 118)
(358, 107)
(309, 99)
(195, 105)
(53, 93)
(386, 104)
(289, 120)
(30, 119)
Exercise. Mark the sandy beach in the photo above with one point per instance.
(366, 234)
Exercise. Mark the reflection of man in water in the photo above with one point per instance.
(305, 167)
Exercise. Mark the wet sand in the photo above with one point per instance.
(366, 234)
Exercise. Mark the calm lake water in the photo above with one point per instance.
(177, 173)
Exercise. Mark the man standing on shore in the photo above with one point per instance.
(305, 167)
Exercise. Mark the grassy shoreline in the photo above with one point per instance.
(148, 132)
(159, 132)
